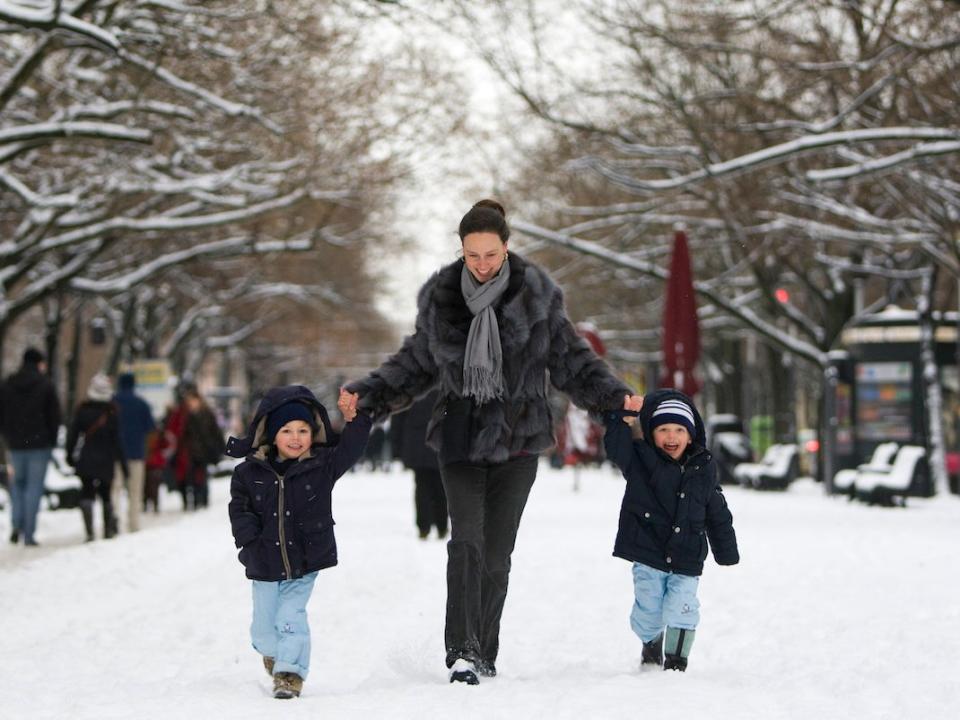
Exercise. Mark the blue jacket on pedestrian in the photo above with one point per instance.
(670, 508)
(283, 523)
(136, 418)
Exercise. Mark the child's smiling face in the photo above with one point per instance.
(293, 439)
(672, 438)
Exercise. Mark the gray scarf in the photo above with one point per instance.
(483, 360)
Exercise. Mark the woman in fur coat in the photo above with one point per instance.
(491, 329)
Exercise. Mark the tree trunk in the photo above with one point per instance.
(936, 450)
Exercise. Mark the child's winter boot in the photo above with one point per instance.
(652, 652)
(287, 685)
(268, 665)
(676, 648)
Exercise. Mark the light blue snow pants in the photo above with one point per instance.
(661, 600)
(279, 628)
(26, 489)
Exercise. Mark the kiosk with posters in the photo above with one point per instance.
(880, 397)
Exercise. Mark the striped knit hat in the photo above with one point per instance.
(673, 410)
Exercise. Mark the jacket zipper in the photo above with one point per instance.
(281, 524)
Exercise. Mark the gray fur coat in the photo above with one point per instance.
(539, 342)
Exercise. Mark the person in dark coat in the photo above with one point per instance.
(281, 517)
(136, 423)
(200, 443)
(408, 436)
(93, 449)
(673, 504)
(29, 421)
(491, 330)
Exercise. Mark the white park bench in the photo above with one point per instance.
(883, 487)
(881, 461)
(777, 469)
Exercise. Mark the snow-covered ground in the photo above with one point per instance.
(837, 610)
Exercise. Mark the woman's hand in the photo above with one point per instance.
(348, 404)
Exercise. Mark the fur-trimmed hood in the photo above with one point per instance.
(254, 440)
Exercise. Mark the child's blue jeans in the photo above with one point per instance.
(661, 600)
(280, 629)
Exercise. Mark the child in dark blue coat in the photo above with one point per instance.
(280, 514)
(672, 506)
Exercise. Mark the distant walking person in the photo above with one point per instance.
(93, 449)
(199, 442)
(408, 436)
(136, 423)
(29, 420)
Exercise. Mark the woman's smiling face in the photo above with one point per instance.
(484, 253)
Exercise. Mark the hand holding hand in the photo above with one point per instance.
(348, 404)
(633, 403)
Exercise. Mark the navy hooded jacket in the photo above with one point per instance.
(670, 508)
(283, 525)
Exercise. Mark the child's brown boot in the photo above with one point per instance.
(287, 685)
(268, 665)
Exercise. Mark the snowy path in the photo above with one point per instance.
(837, 610)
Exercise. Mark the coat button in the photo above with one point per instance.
(676, 529)
(287, 513)
(289, 542)
(278, 542)
(669, 560)
(682, 495)
(258, 497)
(308, 487)
(646, 515)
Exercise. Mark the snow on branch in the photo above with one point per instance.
(227, 246)
(53, 130)
(172, 224)
(772, 155)
(885, 163)
(50, 280)
(744, 313)
(53, 17)
(35, 199)
(225, 106)
(112, 109)
(301, 293)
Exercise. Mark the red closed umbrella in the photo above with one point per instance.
(681, 332)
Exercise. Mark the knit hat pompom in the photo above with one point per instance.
(286, 413)
(100, 388)
(675, 411)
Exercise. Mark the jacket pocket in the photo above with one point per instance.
(251, 557)
(318, 542)
(455, 430)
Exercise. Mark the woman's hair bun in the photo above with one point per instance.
(485, 216)
(492, 204)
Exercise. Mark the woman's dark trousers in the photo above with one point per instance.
(485, 503)
(90, 489)
(430, 501)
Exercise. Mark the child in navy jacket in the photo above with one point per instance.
(280, 514)
(672, 506)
